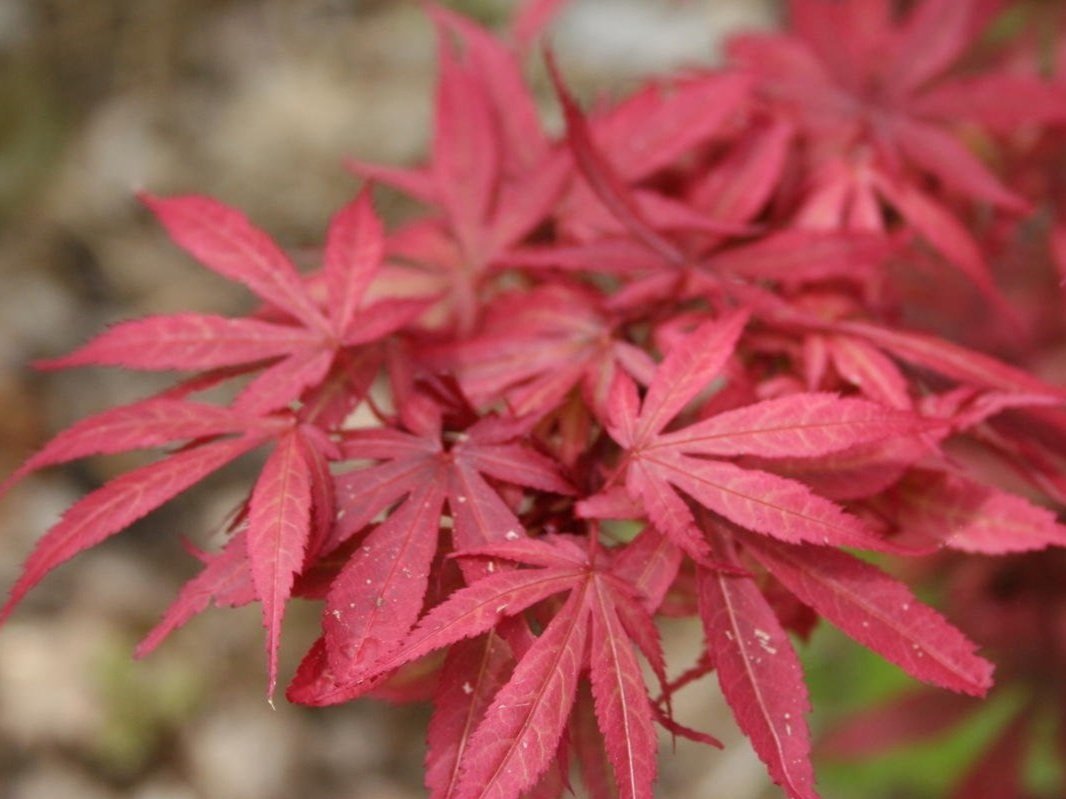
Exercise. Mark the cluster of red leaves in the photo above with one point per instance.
(670, 364)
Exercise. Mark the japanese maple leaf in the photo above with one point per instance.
(280, 525)
(601, 625)
(851, 73)
(873, 95)
(534, 347)
(492, 171)
(380, 591)
(302, 348)
(299, 348)
(657, 464)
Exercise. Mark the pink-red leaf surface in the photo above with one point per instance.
(761, 677)
(473, 673)
(879, 612)
(279, 527)
(621, 699)
(119, 504)
(516, 742)
(224, 241)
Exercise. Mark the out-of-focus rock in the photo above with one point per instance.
(16, 23)
(46, 692)
(352, 743)
(54, 779)
(163, 789)
(616, 39)
(245, 751)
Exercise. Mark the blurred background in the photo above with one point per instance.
(256, 103)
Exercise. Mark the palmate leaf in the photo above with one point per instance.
(860, 86)
(291, 506)
(615, 615)
(802, 425)
(525, 732)
(378, 595)
(492, 171)
(302, 350)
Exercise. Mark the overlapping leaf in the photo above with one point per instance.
(658, 464)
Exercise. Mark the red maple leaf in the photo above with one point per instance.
(377, 596)
(509, 742)
(657, 465)
(307, 352)
(534, 347)
(492, 171)
(876, 101)
(299, 348)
